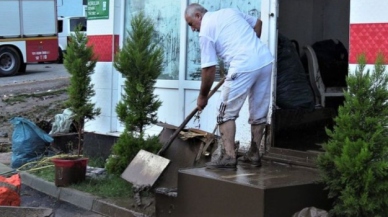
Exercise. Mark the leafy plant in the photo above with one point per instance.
(126, 148)
(355, 164)
(80, 63)
(140, 61)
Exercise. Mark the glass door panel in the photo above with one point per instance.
(166, 16)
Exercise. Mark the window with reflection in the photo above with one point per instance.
(166, 16)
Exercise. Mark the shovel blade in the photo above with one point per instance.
(145, 169)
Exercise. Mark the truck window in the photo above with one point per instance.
(60, 26)
(75, 22)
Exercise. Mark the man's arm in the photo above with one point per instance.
(256, 24)
(208, 75)
(257, 27)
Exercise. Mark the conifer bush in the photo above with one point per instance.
(80, 62)
(140, 61)
(354, 166)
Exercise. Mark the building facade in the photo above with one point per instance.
(361, 25)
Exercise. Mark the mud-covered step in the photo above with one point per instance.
(290, 160)
(246, 191)
(166, 201)
(292, 157)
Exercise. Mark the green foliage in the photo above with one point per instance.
(355, 164)
(96, 162)
(111, 186)
(47, 174)
(80, 63)
(140, 61)
(126, 148)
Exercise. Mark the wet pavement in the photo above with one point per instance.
(33, 198)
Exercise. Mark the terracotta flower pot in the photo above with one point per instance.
(69, 170)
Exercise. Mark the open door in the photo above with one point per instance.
(318, 32)
(269, 17)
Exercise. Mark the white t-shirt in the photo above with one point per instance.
(229, 34)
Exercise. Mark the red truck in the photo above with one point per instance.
(28, 34)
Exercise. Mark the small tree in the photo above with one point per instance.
(140, 61)
(355, 164)
(80, 63)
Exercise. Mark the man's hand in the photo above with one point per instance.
(257, 28)
(208, 75)
(201, 102)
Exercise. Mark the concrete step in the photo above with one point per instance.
(272, 190)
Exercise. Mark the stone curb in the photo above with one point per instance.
(77, 198)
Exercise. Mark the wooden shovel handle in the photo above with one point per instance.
(188, 118)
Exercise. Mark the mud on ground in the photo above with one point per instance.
(36, 101)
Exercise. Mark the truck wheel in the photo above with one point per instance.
(9, 61)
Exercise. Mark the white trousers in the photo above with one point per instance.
(237, 87)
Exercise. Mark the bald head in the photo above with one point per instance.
(194, 8)
(193, 16)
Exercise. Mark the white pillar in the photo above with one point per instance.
(104, 35)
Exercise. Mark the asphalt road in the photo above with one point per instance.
(32, 198)
(37, 72)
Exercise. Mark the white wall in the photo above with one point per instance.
(105, 77)
(369, 11)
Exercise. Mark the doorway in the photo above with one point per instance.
(301, 117)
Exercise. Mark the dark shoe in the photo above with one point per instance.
(224, 162)
(253, 158)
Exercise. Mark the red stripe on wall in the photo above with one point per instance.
(369, 38)
(103, 46)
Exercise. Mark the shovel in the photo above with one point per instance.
(146, 167)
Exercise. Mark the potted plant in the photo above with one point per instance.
(80, 62)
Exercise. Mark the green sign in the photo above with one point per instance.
(98, 9)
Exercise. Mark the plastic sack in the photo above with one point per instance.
(293, 89)
(28, 142)
(62, 122)
(10, 190)
(311, 212)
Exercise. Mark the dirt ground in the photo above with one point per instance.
(37, 101)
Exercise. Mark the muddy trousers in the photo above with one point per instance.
(254, 85)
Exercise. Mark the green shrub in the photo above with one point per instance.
(355, 164)
(140, 61)
(127, 146)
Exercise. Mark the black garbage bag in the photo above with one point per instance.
(293, 89)
(332, 60)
